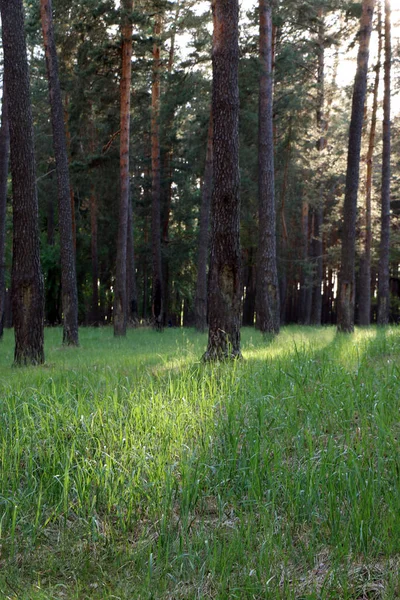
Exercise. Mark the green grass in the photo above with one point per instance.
(131, 470)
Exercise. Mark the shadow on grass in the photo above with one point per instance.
(259, 478)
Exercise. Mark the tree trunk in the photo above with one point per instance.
(346, 291)
(267, 295)
(69, 290)
(120, 295)
(200, 303)
(157, 292)
(131, 288)
(27, 279)
(318, 212)
(384, 249)
(224, 281)
(4, 158)
(364, 293)
(249, 303)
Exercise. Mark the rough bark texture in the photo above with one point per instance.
(27, 280)
(4, 158)
(224, 279)
(157, 292)
(200, 303)
(120, 294)
(267, 295)
(384, 249)
(69, 290)
(249, 280)
(364, 291)
(346, 291)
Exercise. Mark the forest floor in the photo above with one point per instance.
(130, 470)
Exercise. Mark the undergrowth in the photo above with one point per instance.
(129, 469)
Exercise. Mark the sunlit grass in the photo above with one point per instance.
(129, 469)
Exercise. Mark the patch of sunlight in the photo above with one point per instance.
(289, 341)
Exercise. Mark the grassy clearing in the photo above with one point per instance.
(131, 470)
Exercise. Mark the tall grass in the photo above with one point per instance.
(131, 470)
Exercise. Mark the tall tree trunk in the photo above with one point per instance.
(69, 290)
(384, 249)
(224, 281)
(364, 293)
(120, 295)
(157, 292)
(318, 212)
(4, 157)
(267, 295)
(200, 302)
(131, 288)
(27, 279)
(346, 291)
(249, 303)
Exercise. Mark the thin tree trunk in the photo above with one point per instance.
(364, 293)
(4, 158)
(200, 303)
(267, 295)
(131, 272)
(69, 290)
(224, 297)
(27, 279)
(384, 250)
(120, 295)
(318, 212)
(157, 292)
(346, 291)
(249, 303)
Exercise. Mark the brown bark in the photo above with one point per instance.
(384, 249)
(267, 295)
(131, 288)
(69, 292)
(224, 281)
(4, 159)
(27, 280)
(120, 294)
(346, 291)
(72, 195)
(249, 303)
(364, 293)
(157, 291)
(200, 303)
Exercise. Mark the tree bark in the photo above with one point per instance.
(346, 291)
(384, 249)
(131, 272)
(4, 159)
(200, 303)
(69, 290)
(267, 295)
(364, 293)
(157, 291)
(27, 279)
(120, 294)
(224, 281)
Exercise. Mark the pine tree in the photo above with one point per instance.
(383, 272)
(346, 291)
(120, 297)
(27, 280)
(224, 281)
(267, 298)
(68, 271)
(4, 159)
